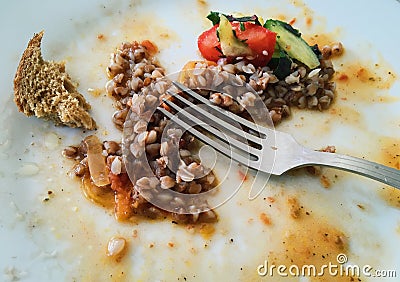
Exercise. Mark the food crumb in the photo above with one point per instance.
(164, 35)
(242, 175)
(95, 92)
(151, 245)
(51, 141)
(343, 77)
(170, 244)
(190, 228)
(313, 170)
(325, 181)
(271, 199)
(49, 195)
(340, 241)
(292, 21)
(116, 247)
(135, 233)
(206, 230)
(265, 219)
(337, 49)
(100, 36)
(329, 149)
(294, 207)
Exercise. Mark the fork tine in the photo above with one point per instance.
(217, 146)
(245, 122)
(196, 121)
(221, 122)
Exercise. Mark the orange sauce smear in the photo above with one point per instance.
(358, 82)
(308, 240)
(390, 156)
(369, 84)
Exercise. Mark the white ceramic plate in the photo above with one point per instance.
(64, 238)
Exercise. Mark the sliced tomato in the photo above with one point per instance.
(260, 40)
(208, 44)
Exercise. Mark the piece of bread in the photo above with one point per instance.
(43, 88)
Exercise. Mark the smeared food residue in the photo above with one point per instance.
(390, 156)
(357, 82)
(310, 241)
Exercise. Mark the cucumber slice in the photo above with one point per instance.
(289, 39)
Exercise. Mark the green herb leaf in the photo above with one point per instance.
(213, 17)
(253, 19)
(242, 27)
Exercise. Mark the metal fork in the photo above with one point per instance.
(258, 151)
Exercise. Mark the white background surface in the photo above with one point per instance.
(35, 237)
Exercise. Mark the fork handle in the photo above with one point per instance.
(384, 174)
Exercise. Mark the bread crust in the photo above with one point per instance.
(35, 42)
